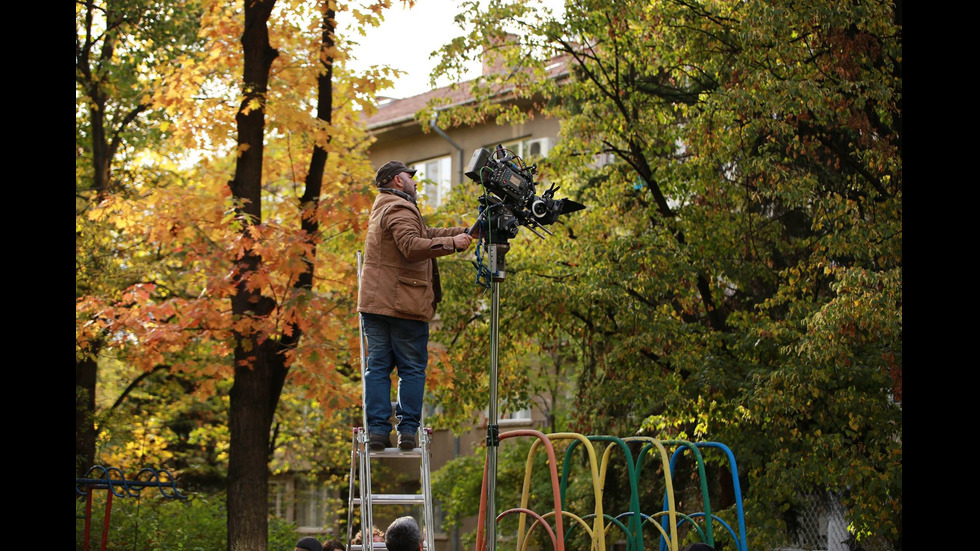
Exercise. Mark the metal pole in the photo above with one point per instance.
(367, 508)
(492, 429)
(363, 341)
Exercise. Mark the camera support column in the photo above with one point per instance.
(497, 269)
(513, 204)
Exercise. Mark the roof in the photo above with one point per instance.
(395, 111)
(392, 112)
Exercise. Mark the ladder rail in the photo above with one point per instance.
(367, 522)
(350, 489)
(362, 338)
(367, 509)
(424, 441)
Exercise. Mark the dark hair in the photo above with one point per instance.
(403, 534)
(333, 545)
(309, 544)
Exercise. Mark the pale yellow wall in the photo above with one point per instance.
(410, 145)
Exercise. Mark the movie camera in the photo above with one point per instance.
(511, 202)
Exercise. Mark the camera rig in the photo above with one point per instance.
(511, 202)
(508, 203)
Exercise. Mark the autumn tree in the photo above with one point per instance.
(737, 275)
(255, 232)
(122, 49)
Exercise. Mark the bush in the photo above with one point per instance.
(198, 523)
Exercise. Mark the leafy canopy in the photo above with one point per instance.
(737, 275)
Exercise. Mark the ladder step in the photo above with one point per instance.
(377, 545)
(397, 452)
(393, 499)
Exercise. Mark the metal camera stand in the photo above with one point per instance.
(497, 246)
(497, 253)
(512, 205)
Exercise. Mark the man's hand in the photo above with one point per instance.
(462, 241)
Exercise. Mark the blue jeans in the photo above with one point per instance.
(394, 342)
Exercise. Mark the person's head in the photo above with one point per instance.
(395, 175)
(403, 534)
(308, 544)
(333, 545)
(698, 547)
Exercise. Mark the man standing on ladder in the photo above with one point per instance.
(397, 298)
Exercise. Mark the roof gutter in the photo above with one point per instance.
(459, 150)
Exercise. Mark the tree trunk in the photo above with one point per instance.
(259, 377)
(86, 370)
(258, 369)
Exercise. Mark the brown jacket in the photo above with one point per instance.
(399, 275)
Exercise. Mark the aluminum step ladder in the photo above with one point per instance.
(361, 495)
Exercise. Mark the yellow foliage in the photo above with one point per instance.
(145, 448)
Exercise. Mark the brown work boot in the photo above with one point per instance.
(406, 442)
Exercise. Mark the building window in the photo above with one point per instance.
(529, 149)
(520, 417)
(435, 180)
(278, 496)
(821, 524)
(305, 502)
(311, 504)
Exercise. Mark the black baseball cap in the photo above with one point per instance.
(389, 170)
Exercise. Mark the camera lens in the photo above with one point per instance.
(539, 208)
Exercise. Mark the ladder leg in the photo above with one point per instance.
(354, 455)
(424, 434)
(367, 507)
